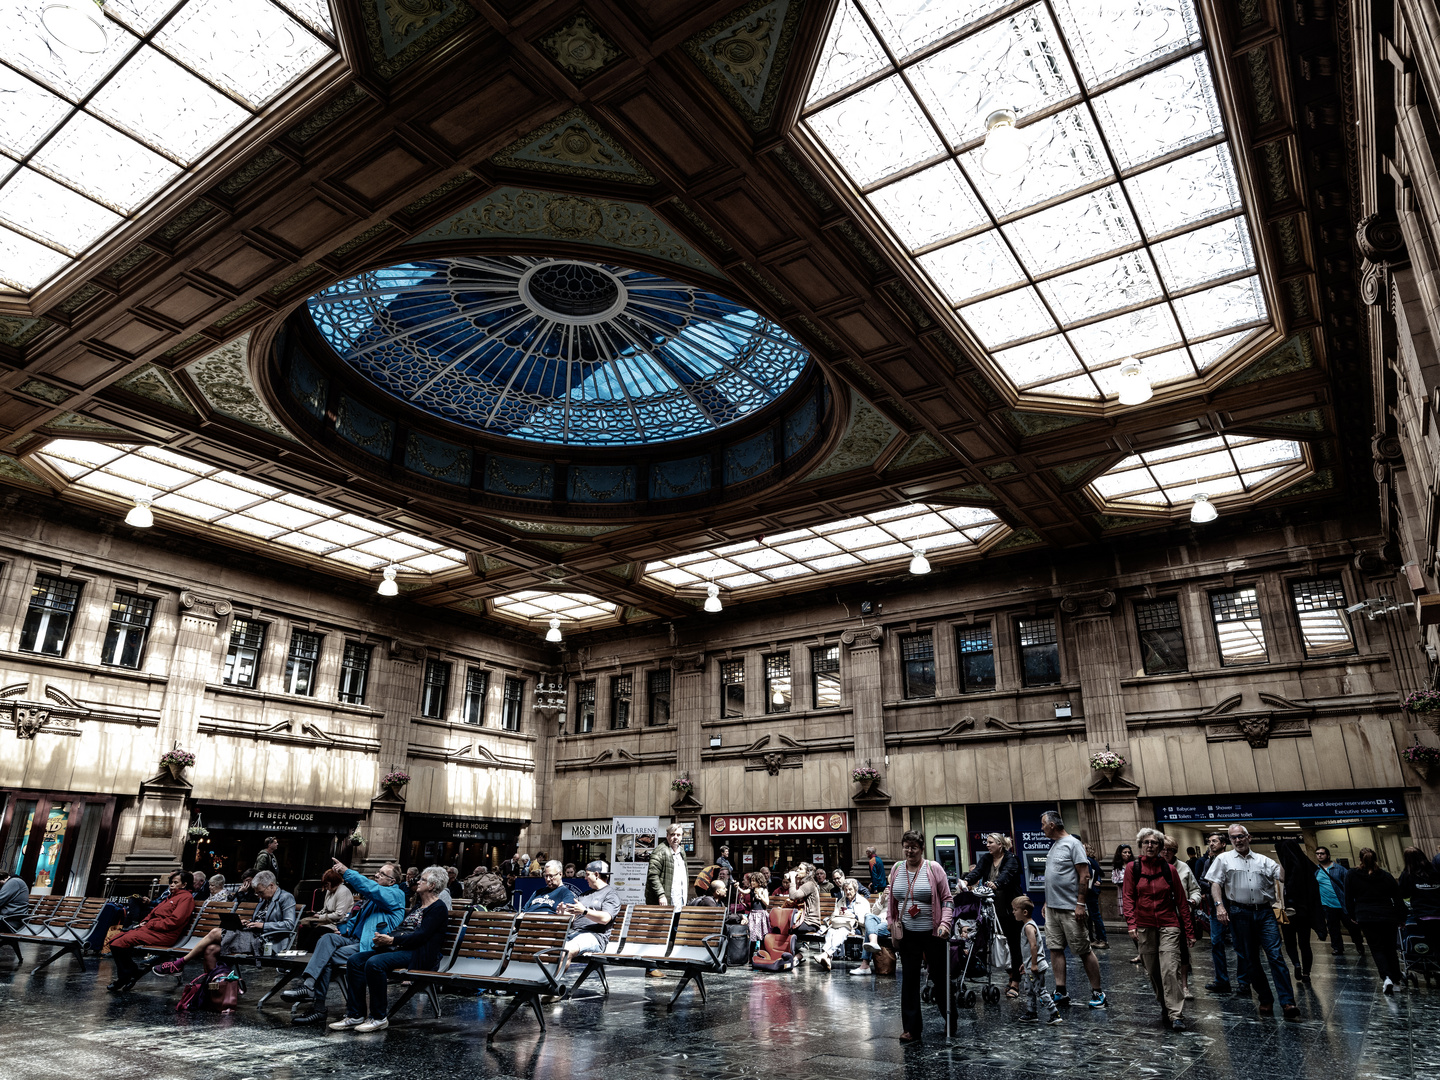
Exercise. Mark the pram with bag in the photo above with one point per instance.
(1420, 951)
(974, 951)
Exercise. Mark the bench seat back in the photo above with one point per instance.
(535, 935)
(647, 931)
(693, 926)
(481, 952)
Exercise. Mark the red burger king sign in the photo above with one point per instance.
(807, 823)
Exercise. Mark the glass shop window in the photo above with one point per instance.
(130, 618)
(825, 676)
(621, 689)
(585, 706)
(778, 683)
(1162, 643)
(917, 664)
(1236, 613)
(477, 683)
(659, 694)
(354, 673)
(301, 663)
(732, 688)
(1039, 651)
(242, 658)
(976, 645)
(1320, 608)
(436, 690)
(51, 613)
(510, 705)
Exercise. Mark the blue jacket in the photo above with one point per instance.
(878, 880)
(382, 908)
(1338, 874)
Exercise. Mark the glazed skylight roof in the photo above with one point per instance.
(534, 605)
(240, 506)
(1123, 234)
(841, 545)
(558, 350)
(1220, 466)
(88, 139)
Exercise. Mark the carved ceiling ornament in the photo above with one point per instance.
(580, 48)
(407, 16)
(744, 52)
(573, 143)
(1096, 602)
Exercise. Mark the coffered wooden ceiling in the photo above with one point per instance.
(689, 111)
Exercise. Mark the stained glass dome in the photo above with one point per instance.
(559, 351)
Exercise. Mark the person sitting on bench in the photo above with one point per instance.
(274, 918)
(595, 913)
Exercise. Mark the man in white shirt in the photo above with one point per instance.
(1245, 887)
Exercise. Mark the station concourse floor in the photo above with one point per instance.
(62, 1024)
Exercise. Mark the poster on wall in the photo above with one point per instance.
(49, 859)
(631, 845)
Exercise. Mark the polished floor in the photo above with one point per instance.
(61, 1023)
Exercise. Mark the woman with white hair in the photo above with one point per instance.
(850, 912)
(1157, 913)
(416, 943)
(273, 921)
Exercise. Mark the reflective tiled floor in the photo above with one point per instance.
(61, 1023)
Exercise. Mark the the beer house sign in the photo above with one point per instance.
(803, 824)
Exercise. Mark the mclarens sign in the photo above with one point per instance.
(833, 821)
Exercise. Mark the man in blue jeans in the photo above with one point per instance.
(1242, 884)
(1219, 931)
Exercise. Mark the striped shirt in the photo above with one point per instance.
(921, 921)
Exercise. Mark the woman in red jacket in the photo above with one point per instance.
(164, 926)
(1158, 916)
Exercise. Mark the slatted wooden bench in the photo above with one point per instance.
(641, 940)
(690, 941)
(70, 936)
(45, 923)
(477, 952)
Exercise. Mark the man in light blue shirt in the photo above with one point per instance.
(1331, 879)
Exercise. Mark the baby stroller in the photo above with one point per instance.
(975, 928)
(1419, 955)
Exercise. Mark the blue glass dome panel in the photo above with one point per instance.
(558, 351)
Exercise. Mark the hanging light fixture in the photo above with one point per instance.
(1006, 150)
(919, 564)
(140, 516)
(387, 585)
(1134, 386)
(777, 698)
(76, 24)
(712, 598)
(1202, 509)
(553, 634)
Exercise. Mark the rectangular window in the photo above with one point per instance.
(1237, 626)
(621, 688)
(825, 676)
(301, 663)
(436, 689)
(778, 684)
(1162, 645)
(917, 665)
(477, 682)
(354, 673)
(130, 618)
(1039, 651)
(242, 659)
(585, 706)
(977, 658)
(732, 688)
(659, 693)
(52, 610)
(1319, 605)
(510, 706)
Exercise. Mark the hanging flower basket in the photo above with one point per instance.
(394, 781)
(198, 832)
(176, 761)
(356, 840)
(866, 777)
(682, 785)
(1422, 701)
(1425, 760)
(1108, 763)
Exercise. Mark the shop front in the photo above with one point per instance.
(462, 842)
(309, 838)
(778, 842)
(1343, 821)
(56, 841)
(584, 841)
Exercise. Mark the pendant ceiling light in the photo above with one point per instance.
(1006, 149)
(387, 585)
(76, 24)
(1203, 509)
(1133, 385)
(919, 564)
(553, 634)
(712, 598)
(777, 698)
(140, 516)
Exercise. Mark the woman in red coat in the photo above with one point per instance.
(164, 926)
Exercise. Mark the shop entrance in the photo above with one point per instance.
(779, 842)
(309, 840)
(50, 841)
(462, 842)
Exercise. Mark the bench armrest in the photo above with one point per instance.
(551, 976)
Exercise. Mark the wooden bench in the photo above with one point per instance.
(45, 922)
(478, 951)
(71, 932)
(690, 941)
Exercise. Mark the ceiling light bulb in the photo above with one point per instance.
(777, 698)
(919, 564)
(1134, 386)
(553, 634)
(1006, 149)
(140, 516)
(76, 24)
(388, 586)
(712, 599)
(1203, 509)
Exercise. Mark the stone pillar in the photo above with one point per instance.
(874, 822)
(688, 711)
(397, 701)
(543, 721)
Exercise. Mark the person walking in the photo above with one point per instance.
(878, 881)
(267, 859)
(1067, 880)
(1220, 936)
(999, 868)
(1243, 885)
(1124, 856)
(1099, 939)
(1193, 892)
(1330, 876)
(1372, 899)
(1036, 964)
(1157, 914)
(1304, 913)
(921, 914)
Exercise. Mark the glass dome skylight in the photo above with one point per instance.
(1124, 233)
(558, 351)
(1221, 466)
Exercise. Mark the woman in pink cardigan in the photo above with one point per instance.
(921, 915)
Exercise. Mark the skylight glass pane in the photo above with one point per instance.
(249, 47)
(1134, 332)
(876, 132)
(42, 207)
(1065, 153)
(1011, 317)
(222, 495)
(931, 205)
(1081, 388)
(851, 53)
(1101, 287)
(1192, 188)
(278, 513)
(250, 526)
(178, 504)
(1208, 352)
(1161, 368)
(313, 13)
(29, 47)
(27, 111)
(1094, 224)
(141, 15)
(1017, 64)
(105, 164)
(157, 100)
(1206, 254)
(1257, 453)
(1111, 37)
(1232, 304)
(972, 267)
(909, 25)
(24, 264)
(1039, 361)
(1160, 112)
